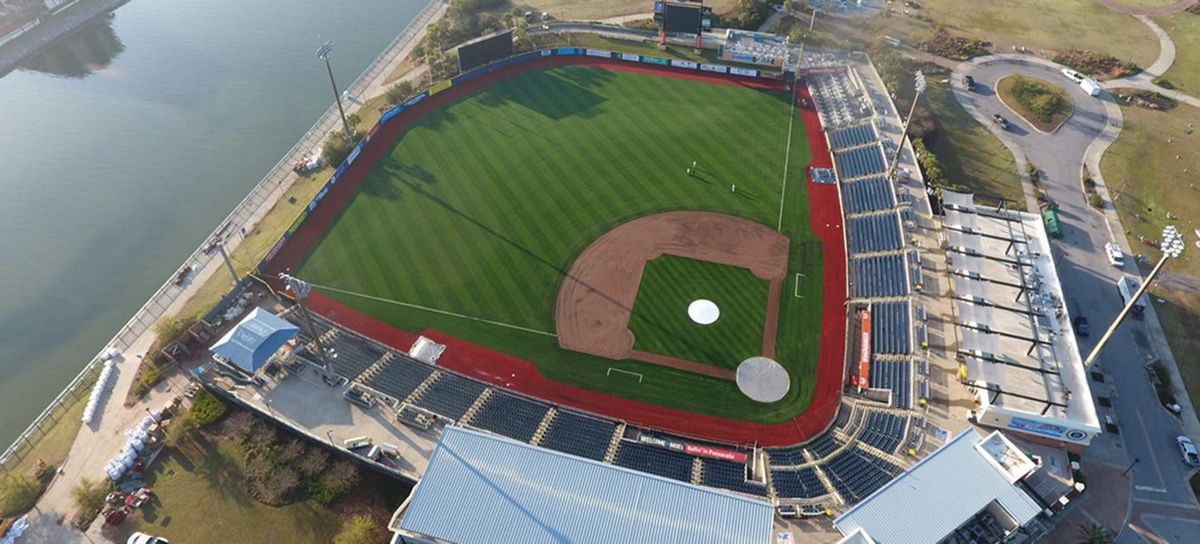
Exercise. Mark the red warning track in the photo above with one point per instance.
(520, 375)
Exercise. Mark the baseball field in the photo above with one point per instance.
(471, 222)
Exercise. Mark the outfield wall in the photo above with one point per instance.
(481, 363)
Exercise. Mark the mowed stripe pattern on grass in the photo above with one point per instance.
(660, 321)
(480, 207)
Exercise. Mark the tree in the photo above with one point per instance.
(340, 478)
(88, 497)
(290, 452)
(262, 440)
(400, 92)
(313, 462)
(206, 408)
(1094, 533)
(336, 148)
(359, 530)
(277, 486)
(237, 424)
(18, 493)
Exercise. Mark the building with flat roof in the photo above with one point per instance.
(1017, 349)
(970, 490)
(480, 488)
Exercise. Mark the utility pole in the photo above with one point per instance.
(323, 54)
(1172, 248)
(301, 288)
(919, 80)
(228, 261)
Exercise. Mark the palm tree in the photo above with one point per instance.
(1094, 533)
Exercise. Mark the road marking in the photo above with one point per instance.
(1150, 489)
(1150, 445)
(787, 153)
(434, 310)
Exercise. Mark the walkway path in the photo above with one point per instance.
(1120, 7)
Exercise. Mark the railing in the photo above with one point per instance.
(260, 199)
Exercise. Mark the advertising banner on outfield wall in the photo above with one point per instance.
(714, 68)
(566, 51)
(271, 254)
(439, 87)
(545, 52)
(743, 71)
(630, 57)
(599, 53)
(684, 64)
(692, 449)
(656, 60)
(317, 199)
(353, 154)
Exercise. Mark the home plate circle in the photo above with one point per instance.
(763, 379)
(703, 311)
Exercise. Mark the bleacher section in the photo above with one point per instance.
(399, 377)
(451, 396)
(894, 375)
(797, 484)
(880, 276)
(579, 435)
(510, 415)
(655, 460)
(728, 475)
(857, 474)
(839, 101)
(859, 162)
(874, 233)
(891, 328)
(884, 431)
(853, 136)
(867, 195)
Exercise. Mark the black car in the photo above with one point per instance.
(1081, 326)
(1000, 120)
(969, 83)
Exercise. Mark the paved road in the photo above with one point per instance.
(1147, 430)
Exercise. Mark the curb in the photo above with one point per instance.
(1000, 97)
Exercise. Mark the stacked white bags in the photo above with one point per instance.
(98, 390)
(136, 442)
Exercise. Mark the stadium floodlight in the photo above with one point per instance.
(301, 289)
(919, 83)
(1172, 247)
(323, 54)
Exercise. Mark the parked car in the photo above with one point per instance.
(969, 83)
(143, 538)
(1116, 257)
(1000, 120)
(1081, 325)
(1073, 75)
(1187, 449)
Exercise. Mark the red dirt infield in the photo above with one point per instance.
(522, 376)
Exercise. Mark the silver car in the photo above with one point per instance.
(1187, 449)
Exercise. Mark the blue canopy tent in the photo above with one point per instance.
(252, 342)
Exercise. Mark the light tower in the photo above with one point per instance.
(919, 81)
(1172, 248)
(323, 54)
(301, 289)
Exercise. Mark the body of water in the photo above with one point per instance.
(124, 145)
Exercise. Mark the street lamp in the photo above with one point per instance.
(1131, 465)
(301, 289)
(1172, 247)
(323, 54)
(919, 85)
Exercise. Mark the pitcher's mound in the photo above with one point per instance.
(763, 379)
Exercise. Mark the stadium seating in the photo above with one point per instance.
(451, 396)
(839, 102)
(852, 136)
(793, 455)
(891, 328)
(797, 484)
(655, 460)
(859, 162)
(510, 415)
(874, 233)
(884, 431)
(897, 376)
(351, 355)
(728, 475)
(879, 276)
(399, 377)
(856, 474)
(867, 195)
(579, 435)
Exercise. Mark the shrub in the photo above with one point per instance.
(169, 329)
(1095, 201)
(1036, 97)
(313, 462)
(206, 408)
(337, 481)
(88, 497)
(400, 92)
(18, 493)
(359, 530)
(944, 44)
(748, 14)
(336, 148)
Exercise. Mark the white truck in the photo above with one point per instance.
(1127, 287)
(1090, 86)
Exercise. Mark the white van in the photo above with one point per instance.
(1127, 288)
(1116, 257)
(356, 442)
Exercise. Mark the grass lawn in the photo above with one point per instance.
(480, 207)
(1035, 24)
(1005, 88)
(660, 321)
(1150, 167)
(60, 430)
(591, 10)
(970, 154)
(201, 497)
(1184, 30)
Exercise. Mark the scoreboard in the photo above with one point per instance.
(684, 17)
(484, 51)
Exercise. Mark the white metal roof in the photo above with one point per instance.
(485, 488)
(939, 493)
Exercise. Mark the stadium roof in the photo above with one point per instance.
(483, 488)
(944, 490)
(252, 342)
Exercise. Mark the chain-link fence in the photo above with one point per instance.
(240, 221)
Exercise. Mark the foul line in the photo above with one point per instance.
(434, 310)
(786, 156)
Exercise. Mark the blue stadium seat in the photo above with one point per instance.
(729, 475)
(400, 377)
(451, 395)
(655, 460)
(856, 474)
(884, 431)
(797, 484)
(867, 195)
(874, 233)
(510, 415)
(891, 328)
(878, 276)
(580, 435)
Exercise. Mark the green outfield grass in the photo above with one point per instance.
(480, 207)
(660, 321)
